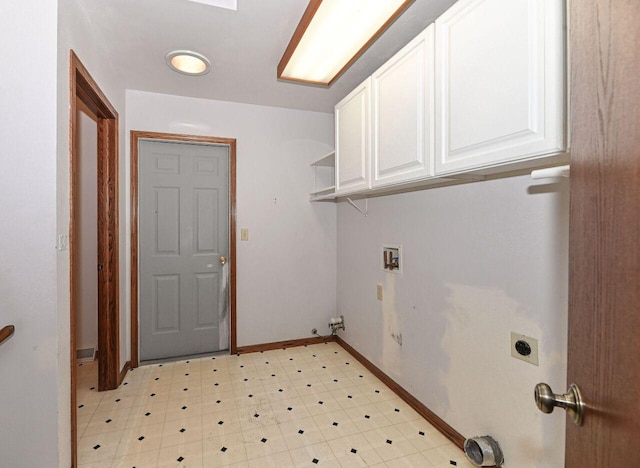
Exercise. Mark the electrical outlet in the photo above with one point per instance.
(244, 234)
(379, 292)
(524, 348)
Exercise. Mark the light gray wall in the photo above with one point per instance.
(87, 222)
(480, 260)
(28, 361)
(286, 272)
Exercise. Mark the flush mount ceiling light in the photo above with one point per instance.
(331, 36)
(188, 62)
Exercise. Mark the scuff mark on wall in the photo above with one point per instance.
(397, 338)
(391, 335)
(223, 309)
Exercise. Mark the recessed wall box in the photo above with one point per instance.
(391, 258)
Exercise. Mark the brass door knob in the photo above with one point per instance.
(571, 401)
(223, 260)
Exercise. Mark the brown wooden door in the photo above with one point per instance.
(604, 249)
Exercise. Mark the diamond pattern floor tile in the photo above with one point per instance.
(305, 406)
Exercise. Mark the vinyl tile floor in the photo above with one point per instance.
(305, 406)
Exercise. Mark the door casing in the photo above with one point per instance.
(84, 88)
(136, 136)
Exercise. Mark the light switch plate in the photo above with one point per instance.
(244, 234)
(379, 292)
(527, 344)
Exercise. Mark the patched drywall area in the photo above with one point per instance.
(392, 334)
(480, 260)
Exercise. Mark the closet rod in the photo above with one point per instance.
(551, 172)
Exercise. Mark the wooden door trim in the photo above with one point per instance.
(136, 136)
(84, 88)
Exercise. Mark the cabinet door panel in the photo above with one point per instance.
(499, 85)
(403, 114)
(352, 140)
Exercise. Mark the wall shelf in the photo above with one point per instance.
(327, 197)
(328, 160)
(325, 176)
(487, 173)
(324, 191)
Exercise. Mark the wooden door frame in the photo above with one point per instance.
(84, 88)
(136, 136)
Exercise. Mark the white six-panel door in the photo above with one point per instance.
(184, 230)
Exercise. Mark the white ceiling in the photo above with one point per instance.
(244, 47)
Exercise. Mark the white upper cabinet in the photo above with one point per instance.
(481, 91)
(402, 114)
(499, 82)
(353, 140)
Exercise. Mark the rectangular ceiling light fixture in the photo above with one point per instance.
(332, 34)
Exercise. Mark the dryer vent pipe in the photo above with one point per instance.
(483, 451)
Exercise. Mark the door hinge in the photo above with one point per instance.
(100, 267)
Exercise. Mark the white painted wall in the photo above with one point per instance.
(77, 33)
(87, 222)
(480, 260)
(28, 361)
(286, 272)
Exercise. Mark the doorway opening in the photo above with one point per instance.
(85, 93)
(164, 208)
(86, 237)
